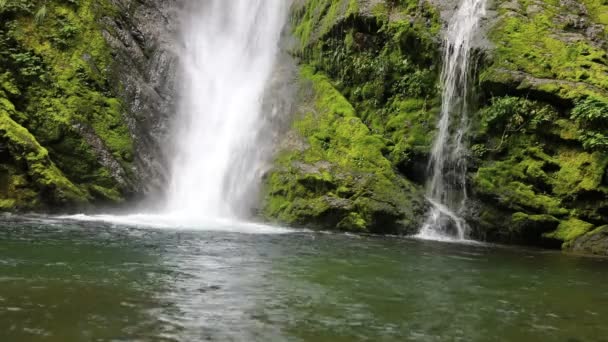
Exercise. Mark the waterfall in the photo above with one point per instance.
(446, 190)
(229, 51)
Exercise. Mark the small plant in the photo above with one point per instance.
(591, 114)
(513, 115)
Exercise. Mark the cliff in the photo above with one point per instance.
(538, 145)
(87, 87)
(83, 85)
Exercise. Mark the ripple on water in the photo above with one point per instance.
(183, 285)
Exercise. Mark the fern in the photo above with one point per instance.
(591, 115)
(591, 110)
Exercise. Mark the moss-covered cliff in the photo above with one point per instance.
(365, 113)
(540, 148)
(65, 138)
(538, 143)
(85, 87)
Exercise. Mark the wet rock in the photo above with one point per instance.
(144, 47)
(338, 179)
(594, 242)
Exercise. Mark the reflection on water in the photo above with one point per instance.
(70, 281)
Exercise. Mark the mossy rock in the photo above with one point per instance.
(338, 178)
(594, 242)
(32, 164)
(68, 140)
(548, 50)
(530, 160)
(569, 230)
(384, 58)
(529, 228)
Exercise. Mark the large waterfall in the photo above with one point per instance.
(447, 185)
(229, 51)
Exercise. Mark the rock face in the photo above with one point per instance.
(332, 173)
(539, 149)
(594, 242)
(144, 44)
(86, 88)
(84, 91)
(367, 103)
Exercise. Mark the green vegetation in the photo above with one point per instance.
(538, 146)
(591, 114)
(386, 68)
(569, 230)
(54, 87)
(536, 39)
(373, 74)
(529, 159)
(339, 176)
(593, 242)
(355, 156)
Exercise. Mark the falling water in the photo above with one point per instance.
(447, 185)
(229, 51)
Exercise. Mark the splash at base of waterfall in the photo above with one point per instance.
(442, 224)
(446, 191)
(181, 222)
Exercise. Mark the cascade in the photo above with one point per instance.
(446, 189)
(228, 54)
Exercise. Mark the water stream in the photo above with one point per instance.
(229, 51)
(447, 184)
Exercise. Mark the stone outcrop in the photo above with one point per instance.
(538, 145)
(85, 91)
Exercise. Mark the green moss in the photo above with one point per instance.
(579, 172)
(48, 179)
(353, 7)
(111, 195)
(520, 182)
(387, 71)
(53, 68)
(569, 230)
(598, 10)
(531, 161)
(529, 228)
(340, 178)
(372, 71)
(536, 43)
(7, 204)
(353, 221)
(381, 10)
(594, 242)
(79, 68)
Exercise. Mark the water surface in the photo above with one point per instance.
(71, 281)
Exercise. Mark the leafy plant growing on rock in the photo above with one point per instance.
(591, 114)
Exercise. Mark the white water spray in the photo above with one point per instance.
(447, 185)
(223, 131)
(230, 49)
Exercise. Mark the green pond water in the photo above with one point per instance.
(70, 281)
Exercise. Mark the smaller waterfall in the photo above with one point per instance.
(447, 186)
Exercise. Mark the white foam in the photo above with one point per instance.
(178, 222)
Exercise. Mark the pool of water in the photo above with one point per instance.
(74, 281)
